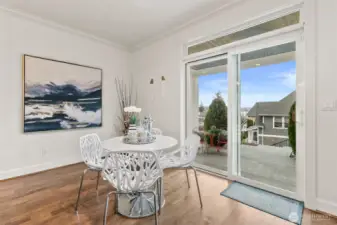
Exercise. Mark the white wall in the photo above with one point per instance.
(326, 96)
(164, 58)
(22, 153)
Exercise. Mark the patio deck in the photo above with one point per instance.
(266, 164)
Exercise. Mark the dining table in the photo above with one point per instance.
(138, 205)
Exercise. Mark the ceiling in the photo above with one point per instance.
(261, 57)
(129, 23)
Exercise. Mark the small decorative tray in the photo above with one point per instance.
(139, 141)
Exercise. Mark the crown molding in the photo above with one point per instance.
(63, 28)
(175, 30)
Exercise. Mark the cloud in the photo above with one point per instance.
(288, 78)
(206, 97)
(208, 89)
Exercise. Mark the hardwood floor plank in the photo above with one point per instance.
(48, 198)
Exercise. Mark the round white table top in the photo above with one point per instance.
(161, 143)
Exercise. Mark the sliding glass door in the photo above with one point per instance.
(267, 136)
(207, 103)
(247, 105)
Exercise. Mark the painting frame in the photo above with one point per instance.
(62, 62)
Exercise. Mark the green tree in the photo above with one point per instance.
(216, 114)
(292, 128)
(250, 123)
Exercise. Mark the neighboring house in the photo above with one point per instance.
(202, 116)
(271, 122)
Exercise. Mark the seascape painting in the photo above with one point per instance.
(60, 95)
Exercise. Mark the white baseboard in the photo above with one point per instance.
(327, 206)
(36, 168)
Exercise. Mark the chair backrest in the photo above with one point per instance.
(189, 150)
(91, 150)
(130, 171)
(156, 131)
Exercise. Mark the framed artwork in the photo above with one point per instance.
(60, 95)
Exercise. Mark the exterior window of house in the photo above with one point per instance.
(286, 122)
(261, 120)
(278, 122)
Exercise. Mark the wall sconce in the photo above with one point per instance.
(162, 79)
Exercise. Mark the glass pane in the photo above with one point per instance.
(286, 122)
(210, 81)
(291, 19)
(268, 91)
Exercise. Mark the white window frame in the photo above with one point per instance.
(255, 21)
(283, 123)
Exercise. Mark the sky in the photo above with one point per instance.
(262, 83)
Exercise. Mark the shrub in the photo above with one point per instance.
(292, 128)
(250, 123)
(216, 114)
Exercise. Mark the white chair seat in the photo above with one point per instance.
(187, 155)
(170, 161)
(91, 151)
(94, 167)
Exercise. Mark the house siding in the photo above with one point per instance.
(269, 130)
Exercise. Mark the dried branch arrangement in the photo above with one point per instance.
(126, 98)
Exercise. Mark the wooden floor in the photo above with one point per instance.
(48, 199)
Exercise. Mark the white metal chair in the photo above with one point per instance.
(184, 161)
(156, 131)
(132, 172)
(91, 151)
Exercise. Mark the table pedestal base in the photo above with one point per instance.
(138, 205)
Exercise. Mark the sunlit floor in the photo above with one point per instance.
(267, 164)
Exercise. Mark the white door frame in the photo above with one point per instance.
(190, 99)
(281, 36)
(293, 36)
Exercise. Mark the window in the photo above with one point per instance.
(284, 21)
(286, 122)
(280, 122)
(261, 120)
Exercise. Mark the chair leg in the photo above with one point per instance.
(105, 218)
(196, 179)
(155, 208)
(116, 202)
(106, 209)
(79, 190)
(159, 193)
(98, 177)
(188, 180)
